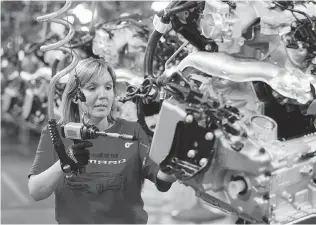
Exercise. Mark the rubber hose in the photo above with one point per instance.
(148, 71)
(150, 53)
(141, 117)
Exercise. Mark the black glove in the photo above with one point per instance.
(78, 154)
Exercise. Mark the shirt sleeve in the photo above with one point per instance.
(149, 167)
(44, 157)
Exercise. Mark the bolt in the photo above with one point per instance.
(208, 47)
(299, 208)
(195, 144)
(189, 119)
(218, 133)
(203, 162)
(191, 153)
(290, 199)
(182, 83)
(209, 136)
(224, 121)
(287, 196)
(262, 150)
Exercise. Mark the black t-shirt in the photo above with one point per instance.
(110, 190)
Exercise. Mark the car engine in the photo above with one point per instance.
(237, 116)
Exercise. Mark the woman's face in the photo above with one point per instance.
(99, 96)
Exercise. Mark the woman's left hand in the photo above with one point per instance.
(166, 177)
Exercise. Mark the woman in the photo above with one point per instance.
(110, 189)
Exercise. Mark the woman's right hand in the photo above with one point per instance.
(79, 155)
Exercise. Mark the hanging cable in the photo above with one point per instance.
(52, 124)
(52, 17)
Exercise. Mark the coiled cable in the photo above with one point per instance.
(59, 46)
(52, 124)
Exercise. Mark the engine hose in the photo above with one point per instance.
(150, 53)
(52, 124)
(177, 9)
(148, 71)
(141, 117)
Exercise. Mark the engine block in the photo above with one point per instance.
(263, 179)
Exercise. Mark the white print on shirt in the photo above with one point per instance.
(107, 162)
(128, 144)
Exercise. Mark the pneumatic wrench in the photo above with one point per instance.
(80, 131)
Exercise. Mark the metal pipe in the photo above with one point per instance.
(293, 84)
(227, 67)
(176, 53)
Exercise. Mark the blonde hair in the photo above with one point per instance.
(86, 71)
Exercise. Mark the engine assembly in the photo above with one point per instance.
(264, 179)
(237, 116)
